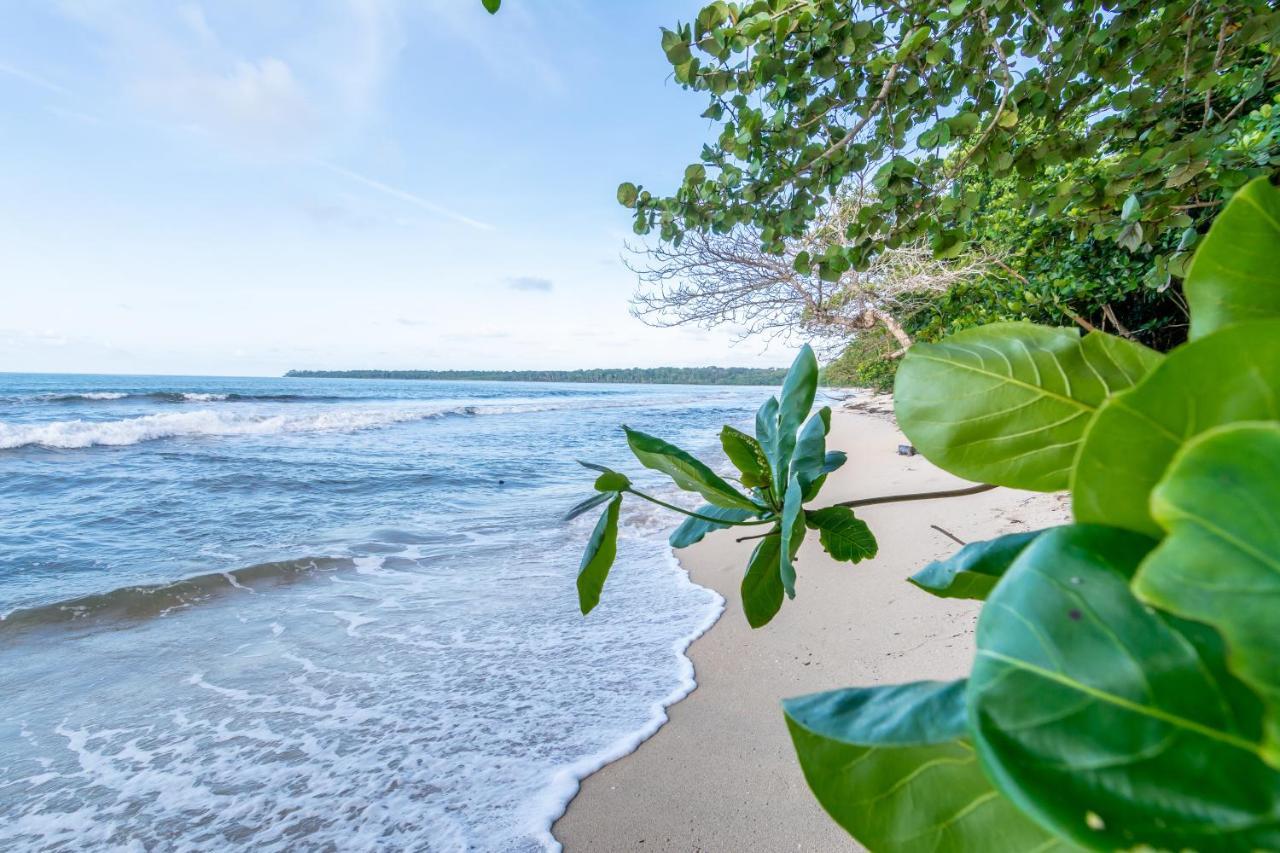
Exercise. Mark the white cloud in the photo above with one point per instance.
(34, 79)
(530, 283)
(405, 196)
(275, 77)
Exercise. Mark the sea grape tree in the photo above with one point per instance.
(1126, 688)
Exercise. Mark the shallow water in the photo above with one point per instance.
(277, 614)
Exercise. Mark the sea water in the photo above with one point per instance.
(307, 614)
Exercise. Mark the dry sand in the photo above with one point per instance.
(721, 775)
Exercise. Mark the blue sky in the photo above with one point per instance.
(241, 187)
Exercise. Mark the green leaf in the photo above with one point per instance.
(687, 473)
(767, 426)
(1235, 274)
(602, 547)
(747, 456)
(843, 535)
(612, 481)
(627, 193)
(492, 6)
(972, 572)
(809, 460)
(792, 534)
(1107, 721)
(798, 391)
(1132, 210)
(762, 585)
(892, 766)
(1231, 375)
(590, 503)
(1220, 563)
(1008, 403)
(691, 530)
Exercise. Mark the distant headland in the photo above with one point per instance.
(630, 375)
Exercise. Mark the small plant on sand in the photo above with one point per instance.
(1126, 688)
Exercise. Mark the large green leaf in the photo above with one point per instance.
(597, 559)
(691, 530)
(747, 456)
(792, 534)
(687, 473)
(767, 436)
(972, 572)
(1008, 403)
(1220, 564)
(762, 584)
(808, 463)
(1108, 721)
(1232, 375)
(843, 535)
(798, 391)
(891, 765)
(1235, 275)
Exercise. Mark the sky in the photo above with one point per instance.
(240, 187)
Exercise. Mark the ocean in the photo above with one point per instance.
(310, 614)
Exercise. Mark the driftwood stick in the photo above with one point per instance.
(947, 533)
(918, 496)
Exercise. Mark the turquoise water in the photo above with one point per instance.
(270, 614)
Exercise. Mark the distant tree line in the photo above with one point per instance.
(635, 375)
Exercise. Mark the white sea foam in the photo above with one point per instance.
(197, 397)
(81, 433)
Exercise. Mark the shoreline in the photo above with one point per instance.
(720, 773)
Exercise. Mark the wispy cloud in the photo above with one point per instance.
(34, 79)
(212, 69)
(531, 283)
(405, 196)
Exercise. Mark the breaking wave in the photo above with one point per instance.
(74, 434)
(186, 397)
(147, 601)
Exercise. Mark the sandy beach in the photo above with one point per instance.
(721, 775)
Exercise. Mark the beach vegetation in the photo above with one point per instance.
(1068, 156)
(1125, 693)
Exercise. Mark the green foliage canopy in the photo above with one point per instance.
(926, 100)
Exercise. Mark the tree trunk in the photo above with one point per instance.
(894, 327)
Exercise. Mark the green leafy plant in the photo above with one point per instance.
(1126, 688)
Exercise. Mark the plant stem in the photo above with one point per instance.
(918, 496)
(673, 507)
(758, 536)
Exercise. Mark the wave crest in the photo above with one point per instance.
(146, 602)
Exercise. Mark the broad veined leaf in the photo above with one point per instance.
(1235, 274)
(597, 559)
(973, 571)
(1232, 375)
(792, 534)
(691, 530)
(843, 535)
(892, 765)
(492, 6)
(809, 461)
(762, 584)
(1008, 403)
(1108, 721)
(747, 456)
(767, 435)
(1220, 564)
(798, 391)
(685, 471)
(589, 504)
